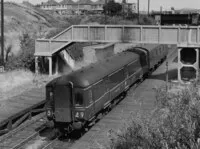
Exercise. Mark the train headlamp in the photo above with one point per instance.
(79, 114)
(51, 94)
(49, 113)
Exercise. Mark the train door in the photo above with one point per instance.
(91, 103)
(99, 91)
(63, 103)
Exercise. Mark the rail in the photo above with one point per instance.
(22, 135)
(16, 120)
(119, 33)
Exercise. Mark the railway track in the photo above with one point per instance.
(23, 134)
(58, 144)
(26, 134)
(32, 131)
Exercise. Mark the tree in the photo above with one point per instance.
(112, 8)
(27, 44)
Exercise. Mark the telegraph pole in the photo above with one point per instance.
(105, 11)
(138, 7)
(2, 33)
(148, 7)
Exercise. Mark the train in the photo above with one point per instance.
(74, 100)
(177, 19)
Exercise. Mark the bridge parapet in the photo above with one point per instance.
(119, 33)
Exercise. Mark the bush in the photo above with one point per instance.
(175, 123)
(146, 20)
(25, 59)
(112, 8)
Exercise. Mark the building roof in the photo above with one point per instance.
(67, 2)
(84, 2)
(99, 2)
(50, 3)
(187, 10)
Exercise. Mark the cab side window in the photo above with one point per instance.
(78, 98)
(116, 78)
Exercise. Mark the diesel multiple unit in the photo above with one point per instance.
(75, 99)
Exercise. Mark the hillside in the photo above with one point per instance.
(20, 18)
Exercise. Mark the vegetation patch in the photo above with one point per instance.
(174, 123)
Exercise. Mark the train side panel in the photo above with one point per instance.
(100, 95)
(116, 85)
(104, 91)
(156, 52)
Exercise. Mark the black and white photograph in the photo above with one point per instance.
(100, 74)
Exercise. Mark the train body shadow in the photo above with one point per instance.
(172, 75)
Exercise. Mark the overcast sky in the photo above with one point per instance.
(155, 4)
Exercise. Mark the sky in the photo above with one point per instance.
(154, 4)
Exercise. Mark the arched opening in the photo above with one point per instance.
(188, 56)
(188, 74)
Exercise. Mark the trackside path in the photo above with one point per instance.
(138, 100)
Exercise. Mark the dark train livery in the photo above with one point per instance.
(177, 19)
(74, 100)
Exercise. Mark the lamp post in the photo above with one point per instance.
(2, 32)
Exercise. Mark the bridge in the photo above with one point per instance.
(186, 37)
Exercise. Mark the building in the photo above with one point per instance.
(69, 6)
(98, 6)
(49, 5)
(129, 7)
(81, 6)
(66, 7)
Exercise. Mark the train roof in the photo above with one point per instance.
(149, 47)
(95, 72)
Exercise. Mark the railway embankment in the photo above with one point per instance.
(139, 100)
(174, 122)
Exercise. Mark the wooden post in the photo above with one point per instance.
(197, 65)
(2, 32)
(179, 65)
(123, 35)
(141, 33)
(179, 36)
(197, 34)
(88, 33)
(57, 65)
(159, 34)
(138, 7)
(50, 66)
(105, 35)
(189, 39)
(36, 65)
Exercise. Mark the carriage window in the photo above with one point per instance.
(78, 99)
(132, 68)
(116, 78)
(98, 90)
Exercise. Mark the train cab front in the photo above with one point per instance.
(60, 107)
(59, 104)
